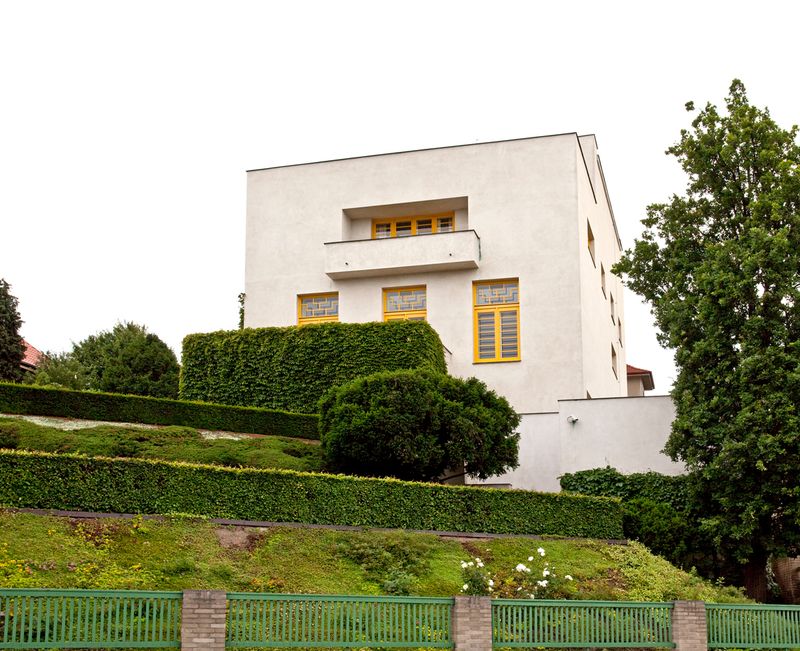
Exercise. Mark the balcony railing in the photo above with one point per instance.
(400, 255)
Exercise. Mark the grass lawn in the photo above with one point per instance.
(172, 443)
(179, 553)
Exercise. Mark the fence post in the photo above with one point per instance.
(203, 620)
(472, 624)
(689, 626)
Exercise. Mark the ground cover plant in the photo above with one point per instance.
(178, 553)
(168, 443)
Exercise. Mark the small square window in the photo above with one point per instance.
(317, 308)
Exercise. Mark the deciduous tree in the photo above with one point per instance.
(720, 267)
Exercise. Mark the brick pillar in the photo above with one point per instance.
(472, 624)
(689, 627)
(203, 620)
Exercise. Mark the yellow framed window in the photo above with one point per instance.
(317, 308)
(405, 304)
(496, 320)
(420, 225)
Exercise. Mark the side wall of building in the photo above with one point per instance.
(625, 433)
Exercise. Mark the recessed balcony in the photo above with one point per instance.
(402, 255)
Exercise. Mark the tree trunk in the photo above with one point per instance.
(755, 578)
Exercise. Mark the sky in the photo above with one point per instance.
(126, 127)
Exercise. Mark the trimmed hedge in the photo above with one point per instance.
(291, 368)
(610, 482)
(43, 401)
(52, 481)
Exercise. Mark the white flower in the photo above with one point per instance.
(464, 588)
(568, 577)
(491, 583)
(542, 583)
(478, 562)
(521, 568)
(470, 564)
(541, 551)
(463, 565)
(490, 589)
(530, 558)
(519, 589)
(546, 573)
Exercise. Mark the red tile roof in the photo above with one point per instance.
(644, 374)
(32, 356)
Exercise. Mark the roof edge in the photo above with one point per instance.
(412, 151)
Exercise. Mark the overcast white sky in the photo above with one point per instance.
(126, 127)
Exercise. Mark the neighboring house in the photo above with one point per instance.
(31, 358)
(504, 247)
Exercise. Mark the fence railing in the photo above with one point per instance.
(541, 623)
(277, 620)
(89, 619)
(750, 626)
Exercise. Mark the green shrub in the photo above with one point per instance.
(655, 513)
(610, 482)
(53, 481)
(41, 401)
(291, 368)
(415, 425)
(9, 436)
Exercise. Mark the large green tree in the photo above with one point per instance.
(720, 267)
(11, 346)
(128, 359)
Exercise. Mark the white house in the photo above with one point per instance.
(504, 247)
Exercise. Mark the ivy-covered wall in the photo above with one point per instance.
(290, 368)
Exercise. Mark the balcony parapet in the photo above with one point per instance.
(402, 255)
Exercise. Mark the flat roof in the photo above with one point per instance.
(412, 151)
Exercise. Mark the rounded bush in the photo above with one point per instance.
(416, 425)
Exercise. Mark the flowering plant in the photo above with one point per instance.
(535, 579)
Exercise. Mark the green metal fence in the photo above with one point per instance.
(752, 626)
(278, 620)
(543, 623)
(89, 619)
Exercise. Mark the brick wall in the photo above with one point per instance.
(203, 620)
(472, 624)
(689, 628)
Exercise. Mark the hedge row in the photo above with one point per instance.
(40, 401)
(291, 368)
(52, 481)
(609, 482)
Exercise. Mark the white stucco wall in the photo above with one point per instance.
(521, 198)
(625, 433)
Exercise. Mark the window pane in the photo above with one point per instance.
(319, 306)
(403, 229)
(486, 341)
(509, 340)
(424, 226)
(497, 293)
(445, 224)
(382, 231)
(404, 300)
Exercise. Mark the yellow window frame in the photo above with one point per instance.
(405, 315)
(495, 309)
(414, 219)
(309, 320)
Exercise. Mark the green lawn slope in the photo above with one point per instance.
(178, 553)
(172, 443)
